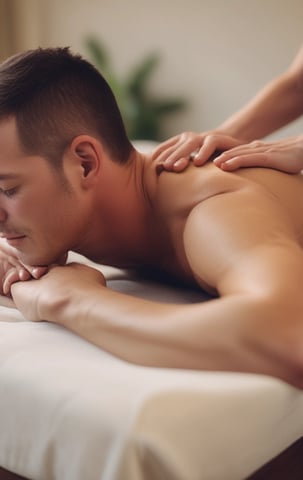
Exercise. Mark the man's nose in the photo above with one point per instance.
(3, 215)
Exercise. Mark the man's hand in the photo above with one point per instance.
(12, 270)
(43, 299)
(176, 153)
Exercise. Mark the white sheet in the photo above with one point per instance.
(69, 411)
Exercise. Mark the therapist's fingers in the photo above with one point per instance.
(213, 144)
(244, 160)
(198, 148)
(177, 165)
(202, 149)
(266, 160)
(285, 155)
(176, 153)
(165, 149)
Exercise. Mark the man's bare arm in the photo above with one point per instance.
(239, 242)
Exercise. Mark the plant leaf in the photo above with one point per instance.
(141, 113)
(140, 74)
(168, 106)
(97, 52)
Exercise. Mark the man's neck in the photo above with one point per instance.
(124, 231)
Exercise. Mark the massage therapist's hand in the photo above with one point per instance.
(285, 155)
(176, 153)
(61, 287)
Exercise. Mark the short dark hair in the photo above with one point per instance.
(54, 96)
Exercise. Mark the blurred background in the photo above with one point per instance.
(194, 62)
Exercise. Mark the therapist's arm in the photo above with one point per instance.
(277, 104)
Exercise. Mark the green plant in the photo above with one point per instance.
(142, 114)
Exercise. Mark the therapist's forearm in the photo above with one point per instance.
(276, 105)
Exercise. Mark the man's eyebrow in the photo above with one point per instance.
(8, 176)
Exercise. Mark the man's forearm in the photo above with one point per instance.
(221, 334)
(245, 330)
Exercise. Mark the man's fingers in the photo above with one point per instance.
(38, 271)
(23, 273)
(11, 277)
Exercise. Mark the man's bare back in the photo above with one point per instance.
(178, 194)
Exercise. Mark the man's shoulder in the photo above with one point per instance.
(182, 191)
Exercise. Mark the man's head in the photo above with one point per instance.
(55, 96)
(59, 122)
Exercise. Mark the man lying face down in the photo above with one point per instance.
(71, 180)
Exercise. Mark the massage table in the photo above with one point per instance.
(70, 411)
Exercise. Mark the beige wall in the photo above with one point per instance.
(216, 53)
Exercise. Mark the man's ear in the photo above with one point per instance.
(87, 152)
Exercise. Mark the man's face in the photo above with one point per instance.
(38, 213)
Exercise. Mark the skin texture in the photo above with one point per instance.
(238, 235)
(277, 104)
(19, 192)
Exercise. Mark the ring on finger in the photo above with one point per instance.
(193, 155)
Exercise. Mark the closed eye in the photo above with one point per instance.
(10, 192)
